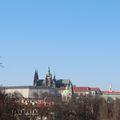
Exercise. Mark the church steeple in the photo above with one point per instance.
(48, 78)
(110, 88)
(36, 78)
(54, 81)
(49, 71)
(54, 77)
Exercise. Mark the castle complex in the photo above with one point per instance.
(56, 87)
(47, 86)
(49, 81)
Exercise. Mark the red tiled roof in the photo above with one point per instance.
(84, 89)
(111, 92)
(81, 89)
(95, 89)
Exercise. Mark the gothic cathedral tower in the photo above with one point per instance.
(36, 78)
(48, 79)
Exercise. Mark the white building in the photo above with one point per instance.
(29, 91)
(111, 94)
(86, 91)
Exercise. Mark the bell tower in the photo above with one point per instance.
(36, 78)
(48, 79)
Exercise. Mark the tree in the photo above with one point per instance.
(7, 106)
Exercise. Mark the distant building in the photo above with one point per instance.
(111, 94)
(67, 93)
(48, 86)
(52, 86)
(29, 91)
(49, 81)
(86, 91)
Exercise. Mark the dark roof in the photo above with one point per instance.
(63, 81)
(40, 82)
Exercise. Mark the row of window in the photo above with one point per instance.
(26, 111)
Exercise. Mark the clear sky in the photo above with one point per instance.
(78, 39)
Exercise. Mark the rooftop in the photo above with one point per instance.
(85, 89)
(111, 92)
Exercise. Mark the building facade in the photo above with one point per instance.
(49, 80)
(47, 86)
(29, 91)
(86, 91)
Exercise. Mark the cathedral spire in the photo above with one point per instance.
(36, 78)
(110, 88)
(54, 77)
(54, 81)
(49, 71)
(48, 79)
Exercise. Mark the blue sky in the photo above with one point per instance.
(79, 40)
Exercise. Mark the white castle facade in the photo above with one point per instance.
(41, 87)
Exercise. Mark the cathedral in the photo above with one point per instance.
(48, 85)
(49, 81)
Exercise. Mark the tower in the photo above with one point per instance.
(110, 88)
(54, 81)
(36, 78)
(67, 93)
(48, 79)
